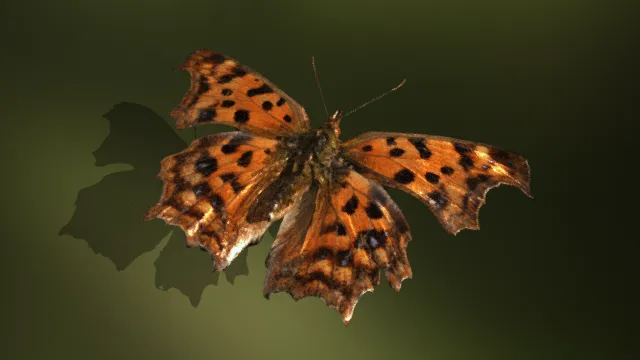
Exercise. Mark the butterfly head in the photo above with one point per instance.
(333, 124)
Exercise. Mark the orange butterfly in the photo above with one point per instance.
(340, 226)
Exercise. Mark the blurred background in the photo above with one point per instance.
(86, 91)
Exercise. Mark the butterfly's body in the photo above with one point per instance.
(309, 158)
(339, 226)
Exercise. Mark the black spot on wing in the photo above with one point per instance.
(245, 159)
(367, 148)
(202, 189)
(206, 115)
(226, 177)
(461, 148)
(351, 205)
(391, 141)
(238, 71)
(229, 148)
(419, 144)
(280, 102)
(343, 258)
(396, 152)
(267, 105)
(432, 178)
(216, 59)
(227, 103)
(264, 89)
(404, 176)
(226, 92)
(224, 79)
(466, 162)
(206, 165)
(241, 116)
(373, 211)
(287, 118)
(446, 170)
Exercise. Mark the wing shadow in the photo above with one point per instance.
(109, 215)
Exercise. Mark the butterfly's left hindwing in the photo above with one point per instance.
(210, 188)
(451, 176)
(335, 241)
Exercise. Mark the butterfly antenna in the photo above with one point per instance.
(315, 73)
(376, 98)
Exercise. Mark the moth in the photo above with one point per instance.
(339, 226)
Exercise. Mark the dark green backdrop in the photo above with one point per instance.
(548, 278)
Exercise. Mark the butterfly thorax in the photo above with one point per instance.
(311, 158)
(327, 145)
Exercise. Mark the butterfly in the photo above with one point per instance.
(339, 226)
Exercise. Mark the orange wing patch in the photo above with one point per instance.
(209, 187)
(333, 243)
(451, 176)
(225, 92)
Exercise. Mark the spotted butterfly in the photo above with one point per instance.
(339, 227)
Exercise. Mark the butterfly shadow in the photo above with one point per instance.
(109, 215)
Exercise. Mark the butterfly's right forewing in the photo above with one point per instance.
(451, 176)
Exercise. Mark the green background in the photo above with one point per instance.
(549, 278)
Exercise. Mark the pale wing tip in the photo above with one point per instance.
(347, 313)
(526, 189)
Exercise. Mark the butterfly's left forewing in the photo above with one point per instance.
(226, 92)
(451, 176)
(333, 243)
